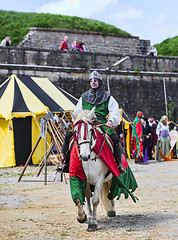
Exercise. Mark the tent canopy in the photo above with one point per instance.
(22, 96)
(23, 100)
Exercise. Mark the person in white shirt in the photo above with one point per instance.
(6, 42)
(153, 52)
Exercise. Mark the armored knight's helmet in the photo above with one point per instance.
(94, 75)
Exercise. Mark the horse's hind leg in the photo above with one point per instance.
(112, 212)
(81, 216)
(108, 204)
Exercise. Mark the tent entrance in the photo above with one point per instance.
(22, 139)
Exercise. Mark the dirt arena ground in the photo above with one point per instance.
(34, 211)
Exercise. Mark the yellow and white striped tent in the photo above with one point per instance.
(23, 100)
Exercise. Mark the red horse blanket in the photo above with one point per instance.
(76, 172)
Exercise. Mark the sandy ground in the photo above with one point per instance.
(34, 211)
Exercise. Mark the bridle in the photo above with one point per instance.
(77, 135)
(87, 137)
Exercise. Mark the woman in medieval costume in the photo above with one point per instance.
(163, 143)
(104, 105)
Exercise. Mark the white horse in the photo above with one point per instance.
(94, 169)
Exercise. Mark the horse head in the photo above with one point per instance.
(84, 133)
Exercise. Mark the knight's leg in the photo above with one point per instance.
(140, 154)
(64, 150)
(118, 151)
(77, 188)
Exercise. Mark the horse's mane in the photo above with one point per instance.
(83, 115)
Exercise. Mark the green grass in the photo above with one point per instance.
(17, 24)
(168, 47)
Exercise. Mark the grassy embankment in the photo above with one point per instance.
(17, 24)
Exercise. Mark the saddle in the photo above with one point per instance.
(97, 125)
(108, 139)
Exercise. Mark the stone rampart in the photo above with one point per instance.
(87, 60)
(137, 84)
(50, 38)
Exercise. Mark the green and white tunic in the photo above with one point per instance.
(109, 109)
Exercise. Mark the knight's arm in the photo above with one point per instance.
(79, 107)
(114, 113)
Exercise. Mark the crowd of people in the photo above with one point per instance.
(152, 137)
(76, 45)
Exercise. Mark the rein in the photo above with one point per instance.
(76, 138)
(101, 146)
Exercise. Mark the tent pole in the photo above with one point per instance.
(165, 97)
(54, 138)
(123, 132)
(28, 160)
(45, 160)
(41, 165)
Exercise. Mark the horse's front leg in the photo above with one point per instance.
(92, 225)
(88, 197)
(81, 216)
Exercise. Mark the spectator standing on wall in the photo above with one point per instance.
(152, 52)
(6, 42)
(64, 44)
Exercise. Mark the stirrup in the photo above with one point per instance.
(121, 169)
(60, 168)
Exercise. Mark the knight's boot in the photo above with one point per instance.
(64, 167)
(121, 169)
(118, 152)
(60, 165)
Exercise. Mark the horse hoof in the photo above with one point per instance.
(92, 227)
(82, 220)
(111, 214)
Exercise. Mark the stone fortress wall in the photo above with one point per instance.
(137, 83)
(96, 42)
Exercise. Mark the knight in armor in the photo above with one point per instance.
(105, 105)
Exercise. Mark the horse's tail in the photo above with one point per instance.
(108, 204)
